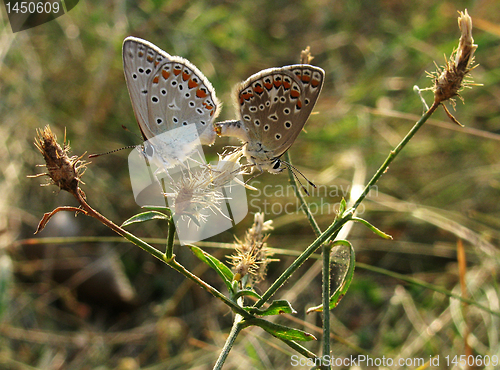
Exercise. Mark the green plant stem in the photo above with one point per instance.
(238, 325)
(298, 194)
(181, 269)
(393, 154)
(162, 256)
(235, 330)
(329, 233)
(326, 249)
(298, 348)
(326, 252)
(169, 253)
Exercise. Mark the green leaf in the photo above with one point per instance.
(162, 209)
(275, 308)
(372, 228)
(145, 216)
(222, 270)
(280, 331)
(249, 293)
(342, 208)
(344, 285)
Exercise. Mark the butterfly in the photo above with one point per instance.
(167, 93)
(273, 107)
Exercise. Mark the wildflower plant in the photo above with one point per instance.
(194, 193)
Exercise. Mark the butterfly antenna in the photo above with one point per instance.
(133, 133)
(111, 151)
(293, 169)
(116, 150)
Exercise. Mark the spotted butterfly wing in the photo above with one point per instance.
(274, 106)
(167, 91)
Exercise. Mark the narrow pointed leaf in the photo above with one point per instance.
(161, 209)
(342, 207)
(281, 331)
(145, 216)
(346, 282)
(249, 293)
(222, 270)
(275, 308)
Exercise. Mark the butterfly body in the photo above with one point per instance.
(273, 107)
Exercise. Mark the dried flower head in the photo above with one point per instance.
(64, 171)
(453, 76)
(252, 254)
(306, 56)
(227, 169)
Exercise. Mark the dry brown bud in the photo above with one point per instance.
(449, 81)
(64, 171)
(252, 254)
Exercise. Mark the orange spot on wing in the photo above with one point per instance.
(150, 59)
(315, 83)
(200, 93)
(165, 74)
(209, 107)
(156, 63)
(177, 71)
(286, 85)
(156, 79)
(247, 96)
(258, 89)
(192, 84)
(299, 104)
(268, 86)
(294, 94)
(277, 83)
(140, 54)
(306, 78)
(185, 76)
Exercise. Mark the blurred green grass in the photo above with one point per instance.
(444, 185)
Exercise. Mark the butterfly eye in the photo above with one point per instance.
(149, 150)
(277, 164)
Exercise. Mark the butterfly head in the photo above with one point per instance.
(275, 167)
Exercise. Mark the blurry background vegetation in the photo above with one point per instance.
(108, 304)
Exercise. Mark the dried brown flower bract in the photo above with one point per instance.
(453, 76)
(64, 171)
(306, 56)
(252, 254)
